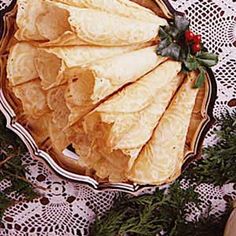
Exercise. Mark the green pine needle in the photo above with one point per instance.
(161, 212)
(149, 214)
(5, 202)
(138, 215)
(219, 165)
(11, 168)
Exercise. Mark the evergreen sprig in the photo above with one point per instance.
(219, 164)
(12, 168)
(5, 202)
(138, 215)
(163, 212)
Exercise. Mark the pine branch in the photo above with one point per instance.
(5, 202)
(165, 212)
(219, 165)
(138, 215)
(6, 159)
(12, 168)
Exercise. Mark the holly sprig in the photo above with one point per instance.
(179, 43)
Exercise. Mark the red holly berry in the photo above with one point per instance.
(196, 48)
(197, 39)
(189, 36)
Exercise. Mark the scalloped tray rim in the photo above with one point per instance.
(25, 136)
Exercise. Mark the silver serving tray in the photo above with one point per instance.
(36, 152)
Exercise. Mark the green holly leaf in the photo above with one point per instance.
(173, 51)
(207, 59)
(181, 23)
(184, 52)
(207, 55)
(201, 78)
(191, 63)
(207, 62)
(163, 32)
(163, 44)
(173, 31)
(184, 69)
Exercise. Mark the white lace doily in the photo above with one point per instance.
(67, 208)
